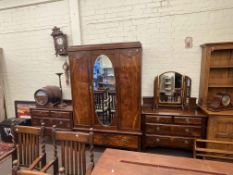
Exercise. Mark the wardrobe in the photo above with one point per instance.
(106, 92)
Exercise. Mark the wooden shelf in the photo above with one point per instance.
(220, 85)
(221, 66)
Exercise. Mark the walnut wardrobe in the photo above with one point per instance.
(106, 92)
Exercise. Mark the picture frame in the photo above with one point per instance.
(22, 108)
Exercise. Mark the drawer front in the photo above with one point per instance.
(116, 140)
(40, 113)
(38, 121)
(64, 124)
(188, 120)
(158, 119)
(176, 130)
(49, 122)
(61, 114)
(168, 141)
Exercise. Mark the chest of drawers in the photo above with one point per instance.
(61, 117)
(175, 128)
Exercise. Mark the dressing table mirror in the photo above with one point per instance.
(172, 89)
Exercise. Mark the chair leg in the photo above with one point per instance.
(55, 167)
(15, 167)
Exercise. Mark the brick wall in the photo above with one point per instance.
(160, 25)
(29, 57)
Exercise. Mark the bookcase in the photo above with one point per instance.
(217, 77)
(216, 71)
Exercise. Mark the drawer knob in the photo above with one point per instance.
(157, 119)
(157, 128)
(187, 130)
(187, 120)
(186, 142)
(157, 140)
(125, 141)
(61, 122)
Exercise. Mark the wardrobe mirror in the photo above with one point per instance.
(104, 84)
(170, 87)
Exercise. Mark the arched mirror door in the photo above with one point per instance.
(104, 84)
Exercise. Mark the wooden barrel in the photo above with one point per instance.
(48, 94)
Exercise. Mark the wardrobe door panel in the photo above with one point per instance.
(129, 91)
(80, 89)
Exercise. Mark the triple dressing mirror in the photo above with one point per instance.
(172, 89)
(104, 90)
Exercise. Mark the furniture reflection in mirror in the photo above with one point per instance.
(104, 89)
(172, 88)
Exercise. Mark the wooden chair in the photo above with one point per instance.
(28, 172)
(17, 171)
(73, 152)
(212, 149)
(27, 142)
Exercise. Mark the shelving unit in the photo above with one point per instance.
(217, 77)
(217, 71)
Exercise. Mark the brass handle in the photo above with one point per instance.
(125, 141)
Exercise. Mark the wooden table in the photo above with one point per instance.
(119, 162)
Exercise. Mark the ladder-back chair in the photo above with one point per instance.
(28, 172)
(213, 149)
(27, 142)
(73, 151)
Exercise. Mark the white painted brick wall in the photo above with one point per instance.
(29, 57)
(160, 25)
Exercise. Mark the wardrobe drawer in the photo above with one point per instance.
(176, 130)
(158, 119)
(168, 141)
(188, 120)
(116, 140)
(60, 114)
(40, 113)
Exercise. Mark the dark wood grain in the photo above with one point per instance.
(172, 127)
(126, 123)
(62, 117)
